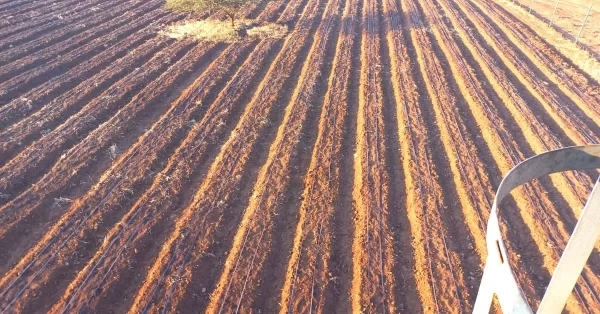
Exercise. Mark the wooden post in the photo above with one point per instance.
(584, 21)
(530, 6)
(553, 12)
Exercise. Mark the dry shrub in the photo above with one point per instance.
(268, 30)
(221, 31)
(211, 30)
(185, 5)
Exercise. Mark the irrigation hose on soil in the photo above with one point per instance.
(498, 277)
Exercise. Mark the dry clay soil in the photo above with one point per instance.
(348, 167)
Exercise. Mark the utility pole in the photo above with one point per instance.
(584, 21)
(553, 12)
(530, 6)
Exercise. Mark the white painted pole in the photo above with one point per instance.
(553, 13)
(530, 6)
(584, 21)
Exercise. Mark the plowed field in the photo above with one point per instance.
(348, 167)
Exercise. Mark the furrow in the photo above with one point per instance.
(373, 282)
(133, 52)
(585, 92)
(167, 186)
(166, 195)
(556, 232)
(420, 185)
(306, 279)
(24, 167)
(7, 5)
(23, 44)
(538, 135)
(17, 284)
(393, 40)
(501, 143)
(6, 12)
(133, 172)
(22, 22)
(339, 291)
(20, 86)
(495, 133)
(80, 155)
(420, 178)
(76, 48)
(557, 108)
(422, 191)
(348, 166)
(218, 69)
(172, 271)
(577, 187)
(253, 238)
(554, 137)
(37, 90)
(461, 241)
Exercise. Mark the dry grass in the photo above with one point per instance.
(268, 30)
(221, 31)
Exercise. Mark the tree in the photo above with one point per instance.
(228, 7)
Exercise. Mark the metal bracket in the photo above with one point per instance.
(498, 277)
